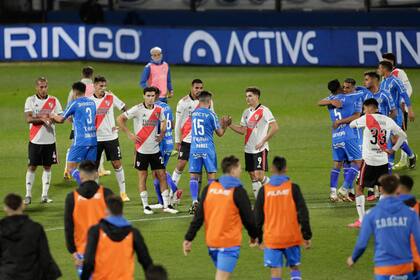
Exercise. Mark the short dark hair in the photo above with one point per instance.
(87, 71)
(389, 183)
(80, 87)
(407, 182)
(350, 81)
(156, 272)
(13, 201)
(279, 163)
(371, 102)
(149, 89)
(372, 74)
(254, 90)
(196, 81)
(228, 163)
(386, 64)
(205, 95)
(88, 166)
(389, 56)
(157, 90)
(334, 86)
(99, 79)
(115, 205)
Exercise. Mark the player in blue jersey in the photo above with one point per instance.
(203, 151)
(398, 92)
(166, 147)
(343, 108)
(392, 224)
(83, 112)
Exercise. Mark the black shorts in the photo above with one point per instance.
(369, 175)
(256, 161)
(111, 148)
(71, 137)
(184, 151)
(143, 161)
(45, 155)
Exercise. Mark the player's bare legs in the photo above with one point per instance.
(222, 275)
(101, 169)
(276, 272)
(119, 174)
(258, 179)
(180, 166)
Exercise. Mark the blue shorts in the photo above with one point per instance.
(225, 259)
(408, 276)
(400, 118)
(166, 151)
(197, 161)
(349, 150)
(274, 257)
(81, 153)
(163, 99)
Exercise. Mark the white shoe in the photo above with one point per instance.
(156, 206)
(147, 210)
(333, 196)
(170, 210)
(343, 194)
(45, 199)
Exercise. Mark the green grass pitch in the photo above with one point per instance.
(304, 139)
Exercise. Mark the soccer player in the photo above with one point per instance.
(281, 209)
(147, 117)
(166, 147)
(399, 93)
(224, 207)
(83, 208)
(83, 112)
(111, 245)
(392, 224)
(41, 147)
(24, 250)
(157, 74)
(376, 135)
(184, 109)
(106, 130)
(343, 108)
(405, 194)
(203, 151)
(259, 126)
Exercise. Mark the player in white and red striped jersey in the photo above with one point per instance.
(400, 74)
(184, 109)
(376, 135)
(42, 148)
(258, 125)
(107, 131)
(87, 79)
(147, 116)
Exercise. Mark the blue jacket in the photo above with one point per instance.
(391, 223)
(146, 73)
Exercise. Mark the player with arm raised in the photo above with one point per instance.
(259, 126)
(203, 151)
(147, 117)
(376, 134)
(107, 131)
(42, 147)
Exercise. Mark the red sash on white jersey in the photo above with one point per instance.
(257, 116)
(35, 128)
(186, 128)
(395, 72)
(372, 123)
(145, 132)
(105, 105)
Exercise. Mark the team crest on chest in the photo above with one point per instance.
(50, 104)
(107, 103)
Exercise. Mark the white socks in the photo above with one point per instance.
(176, 176)
(265, 181)
(46, 180)
(256, 186)
(360, 206)
(67, 156)
(30, 178)
(101, 163)
(144, 198)
(165, 198)
(119, 174)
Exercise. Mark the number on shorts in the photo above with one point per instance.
(259, 159)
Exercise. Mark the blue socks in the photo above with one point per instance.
(194, 189)
(170, 182)
(211, 181)
(407, 149)
(157, 189)
(352, 173)
(295, 275)
(275, 278)
(76, 175)
(335, 173)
